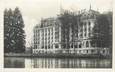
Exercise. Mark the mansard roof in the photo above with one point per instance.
(89, 14)
(49, 22)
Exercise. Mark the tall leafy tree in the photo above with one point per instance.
(14, 35)
(8, 19)
(110, 20)
(6, 33)
(102, 29)
(69, 22)
(19, 34)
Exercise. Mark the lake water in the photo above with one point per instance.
(17, 62)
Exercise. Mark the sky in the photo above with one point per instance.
(33, 10)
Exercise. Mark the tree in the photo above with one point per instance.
(102, 28)
(110, 20)
(6, 33)
(14, 35)
(69, 21)
(7, 29)
(19, 34)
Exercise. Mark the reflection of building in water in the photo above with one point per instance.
(49, 36)
(67, 63)
(12, 62)
(28, 63)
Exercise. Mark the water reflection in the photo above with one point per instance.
(11, 62)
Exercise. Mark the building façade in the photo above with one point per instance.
(51, 36)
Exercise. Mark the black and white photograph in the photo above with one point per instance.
(57, 34)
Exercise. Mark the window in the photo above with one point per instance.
(45, 47)
(103, 51)
(79, 45)
(89, 34)
(81, 30)
(42, 47)
(89, 29)
(75, 46)
(89, 23)
(81, 35)
(85, 29)
(87, 51)
(64, 45)
(35, 46)
(85, 34)
(72, 46)
(56, 46)
(87, 44)
(52, 46)
(49, 47)
(92, 51)
(92, 43)
(79, 51)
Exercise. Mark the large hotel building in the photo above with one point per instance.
(50, 36)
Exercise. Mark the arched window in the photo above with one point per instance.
(87, 44)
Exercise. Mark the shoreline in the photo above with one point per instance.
(54, 55)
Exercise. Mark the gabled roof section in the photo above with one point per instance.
(89, 14)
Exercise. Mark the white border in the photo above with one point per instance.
(56, 69)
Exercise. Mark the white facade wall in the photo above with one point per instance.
(46, 38)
